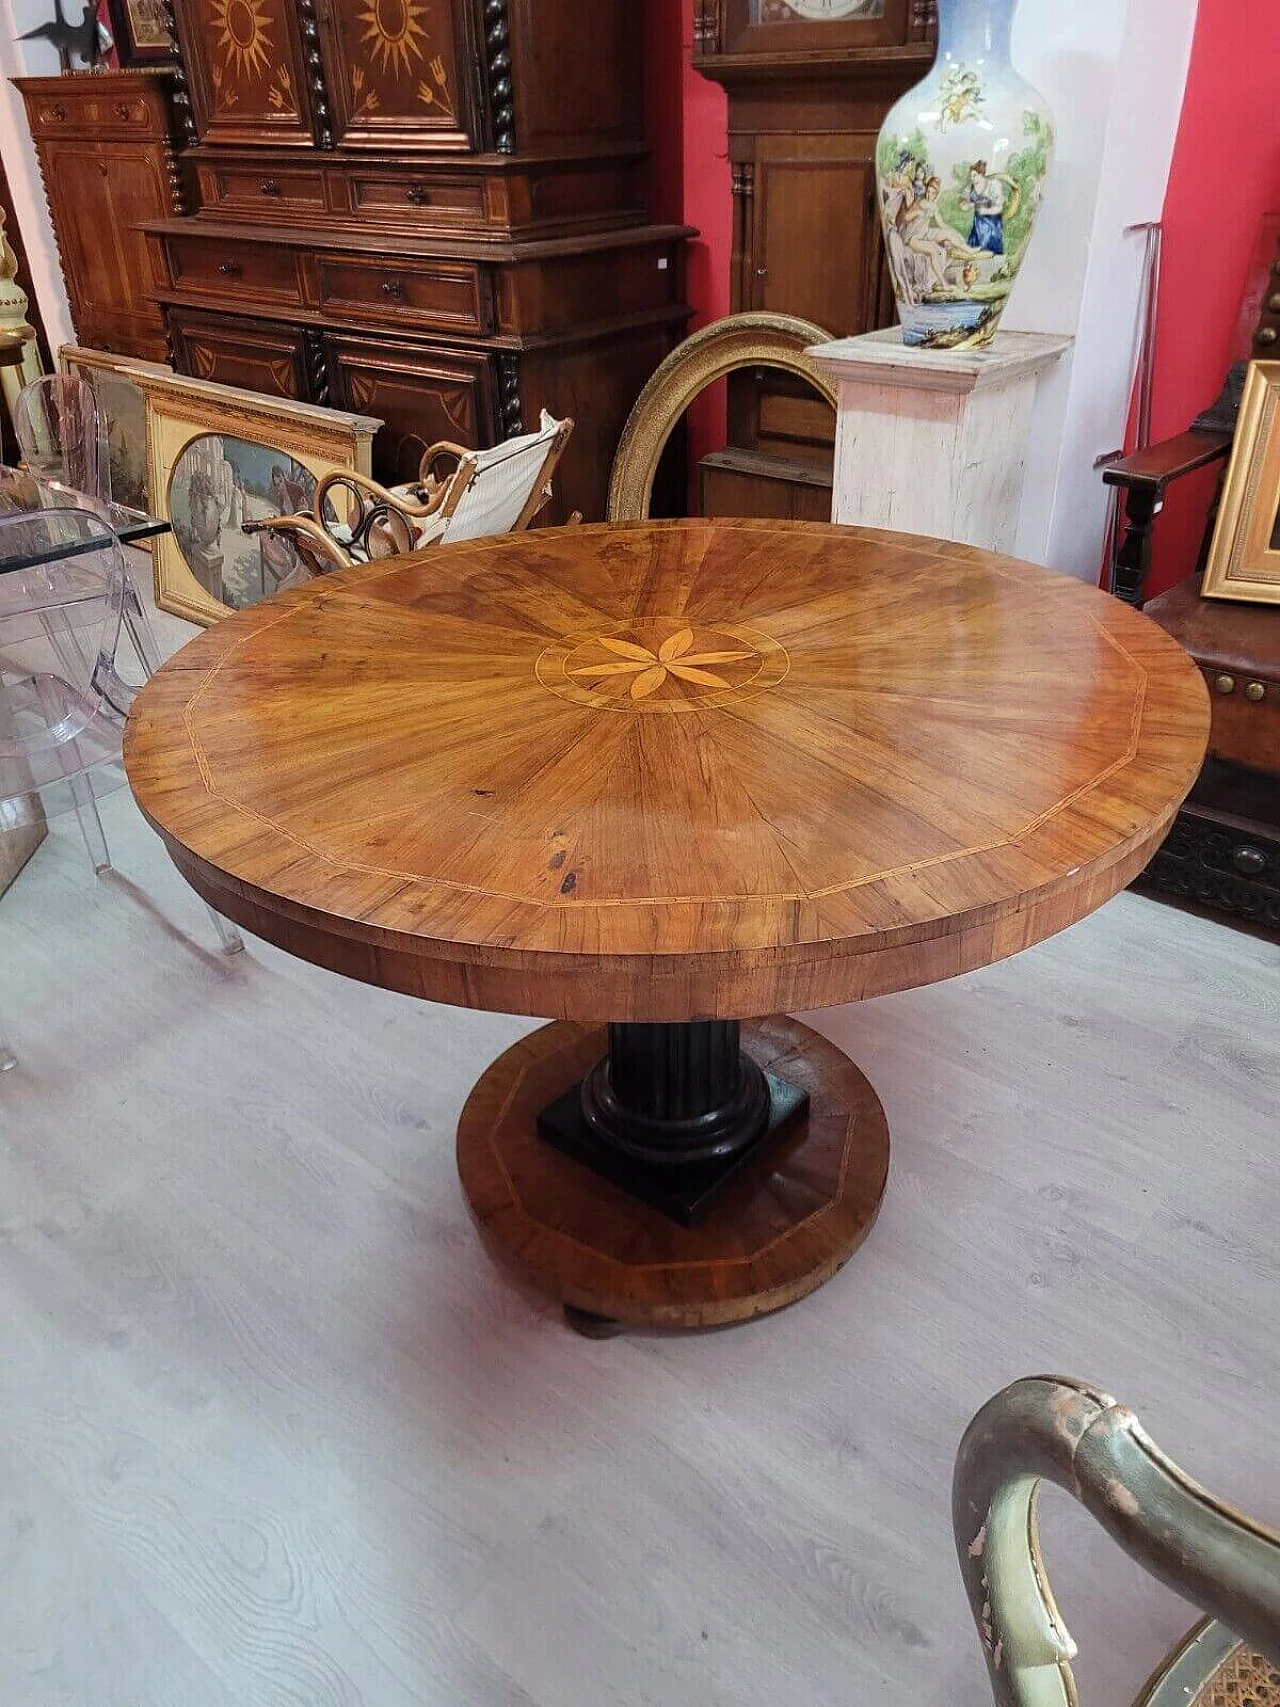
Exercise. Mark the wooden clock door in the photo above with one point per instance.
(247, 70)
(398, 73)
(815, 248)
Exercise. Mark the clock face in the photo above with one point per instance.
(815, 11)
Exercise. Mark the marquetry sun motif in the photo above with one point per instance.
(243, 35)
(394, 34)
(662, 666)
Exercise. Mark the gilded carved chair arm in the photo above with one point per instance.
(308, 536)
(1060, 1431)
(368, 494)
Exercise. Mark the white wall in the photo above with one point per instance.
(1114, 72)
(19, 59)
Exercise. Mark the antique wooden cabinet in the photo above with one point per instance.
(426, 210)
(105, 142)
(809, 84)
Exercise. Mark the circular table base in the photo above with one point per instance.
(791, 1220)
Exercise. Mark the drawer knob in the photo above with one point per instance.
(123, 110)
(394, 288)
(1268, 335)
(1273, 306)
(1225, 684)
(419, 195)
(1249, 862)
(231, 269)
(1255, 693)
(59, 112)
(270, 187)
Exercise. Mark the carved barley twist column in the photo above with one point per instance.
(502, 95)
(181, 88)
(510, 401)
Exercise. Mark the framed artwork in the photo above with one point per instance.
(1244, 560)
(115, 379)
(141, 29)
(217, 458)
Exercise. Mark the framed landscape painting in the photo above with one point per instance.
(218, 458)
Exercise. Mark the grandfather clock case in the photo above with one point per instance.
(431, 211)
(809, 84)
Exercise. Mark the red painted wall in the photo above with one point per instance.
(708, 204)
(1226, 175)
(664, 33)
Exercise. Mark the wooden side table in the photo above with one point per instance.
(663, 785)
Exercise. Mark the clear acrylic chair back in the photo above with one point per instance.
(62, 433)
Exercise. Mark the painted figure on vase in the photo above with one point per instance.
(991, 195)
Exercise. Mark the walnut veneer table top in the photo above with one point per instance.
(682, 770)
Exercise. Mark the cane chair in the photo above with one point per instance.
(1060, 1431)
(63, 691)
(62, 434)
(484, 493)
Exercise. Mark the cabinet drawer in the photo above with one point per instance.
(235, 270)
(270, 193)
(452, 296)
(112, 113)
(425, 202)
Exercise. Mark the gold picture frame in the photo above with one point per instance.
(1244, 559)
(217, 457)
(724, 347)
(115, 380)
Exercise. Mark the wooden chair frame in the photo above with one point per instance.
(387, 523)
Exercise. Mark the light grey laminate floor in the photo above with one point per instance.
(272, 1431)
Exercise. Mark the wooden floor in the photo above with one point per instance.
(273, 1432)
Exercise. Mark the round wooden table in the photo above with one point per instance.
(669, 780)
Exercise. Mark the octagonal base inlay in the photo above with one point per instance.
(791, 1222)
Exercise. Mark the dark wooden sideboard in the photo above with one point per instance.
(431, 212)
(106, 142)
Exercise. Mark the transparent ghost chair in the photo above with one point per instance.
(62, 434)
(64, 691)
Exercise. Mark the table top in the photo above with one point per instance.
(683, 770)
(21, 492)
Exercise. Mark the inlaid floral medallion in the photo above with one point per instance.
(663, 666)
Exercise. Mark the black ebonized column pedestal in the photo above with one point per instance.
(672, 1113)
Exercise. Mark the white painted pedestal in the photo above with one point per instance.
(934, 441)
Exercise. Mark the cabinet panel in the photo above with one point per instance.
(396, 73)
(105, 257)
(247, 70)
(421, 394)
(817, 248)
(254, 355)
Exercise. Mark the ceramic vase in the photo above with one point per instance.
(962, 163)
